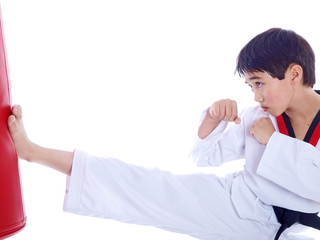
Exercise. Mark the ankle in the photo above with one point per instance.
(28, 151)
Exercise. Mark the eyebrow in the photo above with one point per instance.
(253, 78)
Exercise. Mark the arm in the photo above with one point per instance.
(292, 164)
(214, 145)
(207, 126)
(288, 162)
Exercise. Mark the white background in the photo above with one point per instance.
(127, 79)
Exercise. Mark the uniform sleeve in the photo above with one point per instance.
(219, 146)
(292, 164)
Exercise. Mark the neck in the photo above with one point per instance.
(304, 105)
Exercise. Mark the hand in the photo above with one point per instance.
(225, 110)
(262, 130)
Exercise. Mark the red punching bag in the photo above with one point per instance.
(12, 216)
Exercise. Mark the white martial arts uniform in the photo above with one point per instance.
(283, 173)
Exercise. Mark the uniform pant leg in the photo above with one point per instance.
(197, 204)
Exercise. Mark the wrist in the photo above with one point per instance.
(207, 126)
(212, 119)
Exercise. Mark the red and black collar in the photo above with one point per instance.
(313, 133)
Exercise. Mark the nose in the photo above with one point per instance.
(257, 96)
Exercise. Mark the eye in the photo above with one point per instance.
(258, 84)
(255, 85)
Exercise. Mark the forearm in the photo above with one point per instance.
(296, 170)
(207, 126)
(56, 159)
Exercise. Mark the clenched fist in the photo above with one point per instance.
(225, 110)
(262, 130)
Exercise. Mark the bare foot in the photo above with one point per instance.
(24, 146)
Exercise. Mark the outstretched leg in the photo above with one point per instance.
(56, 159)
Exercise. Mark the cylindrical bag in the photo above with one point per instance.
(12, 215)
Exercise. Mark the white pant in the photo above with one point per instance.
(199, 205)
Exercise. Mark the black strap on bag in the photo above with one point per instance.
(287, 217)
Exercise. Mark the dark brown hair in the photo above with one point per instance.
(273, 51)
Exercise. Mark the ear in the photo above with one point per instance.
(295, 74)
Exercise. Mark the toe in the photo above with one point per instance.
(17, 111)
(12, 123)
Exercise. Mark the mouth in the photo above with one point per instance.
(265, 109)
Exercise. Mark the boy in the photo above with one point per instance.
(281, 171)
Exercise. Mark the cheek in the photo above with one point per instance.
(274, 100)
(277, 99)
(280, 93)
(271, 98)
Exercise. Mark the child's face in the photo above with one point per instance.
(272, 94)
